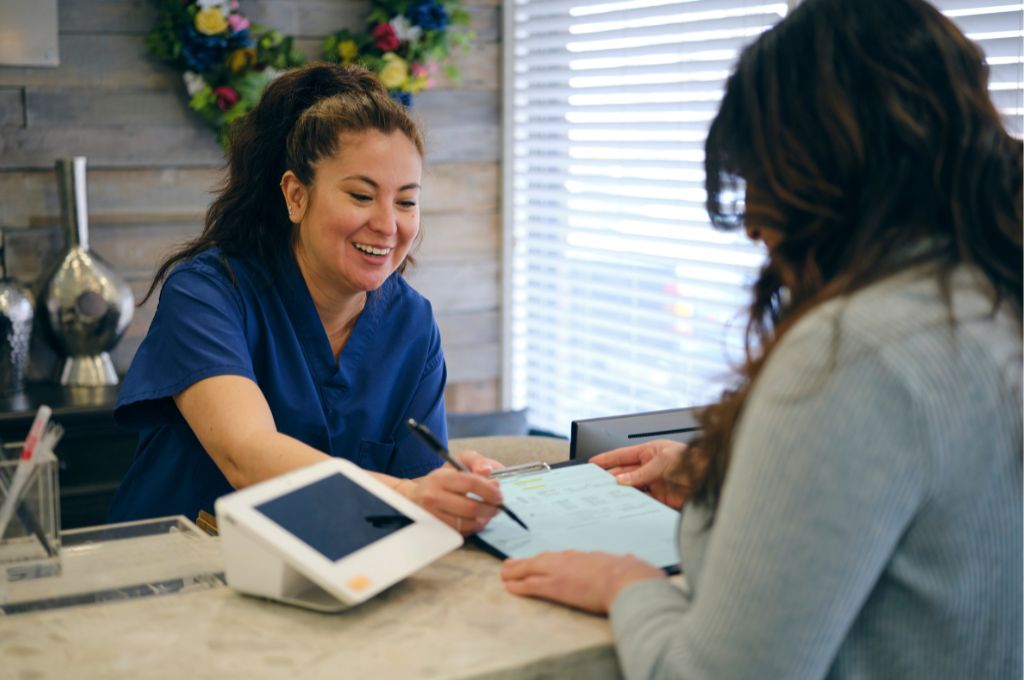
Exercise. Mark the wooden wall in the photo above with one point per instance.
(152, 165)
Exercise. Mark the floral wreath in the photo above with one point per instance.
(226, 68)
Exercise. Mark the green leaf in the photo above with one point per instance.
(203, 99)
(330, 47)
(250, 86)
(235, 112)
(451, 72)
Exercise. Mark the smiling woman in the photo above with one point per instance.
(285, 332)
(358, 220)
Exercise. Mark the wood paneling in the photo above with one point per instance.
(457, 285)
(105, 16)
(472, 397)
(454, 235)
(300, 18)
(12, 107)
(458, 187)
(48, 107)
(471, 342)
(153, 166)
(307, 18)
(91, 60)
(34, 147)
(460, 126)
(168, 193)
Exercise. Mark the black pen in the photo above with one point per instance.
(421, 431)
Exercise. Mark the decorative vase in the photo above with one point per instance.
(16, 313)
(86, 305)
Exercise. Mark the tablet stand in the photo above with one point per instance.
(252, 567)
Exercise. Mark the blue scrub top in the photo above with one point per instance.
(214, 321)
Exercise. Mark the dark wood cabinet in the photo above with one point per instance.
(94, 453)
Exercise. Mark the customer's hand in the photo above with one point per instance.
(586, 580)
(445, 493)
(477, 463)
(665, 469)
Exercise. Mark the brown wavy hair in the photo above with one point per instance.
(861, 129)
(298, 121)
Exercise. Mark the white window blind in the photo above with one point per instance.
(998, 28)
(620, 295)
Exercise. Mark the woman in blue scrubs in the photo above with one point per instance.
(285, 332)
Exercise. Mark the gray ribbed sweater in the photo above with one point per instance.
(871, 521)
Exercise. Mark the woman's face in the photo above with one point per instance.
(359, 218)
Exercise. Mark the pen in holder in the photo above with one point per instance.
(30, 540)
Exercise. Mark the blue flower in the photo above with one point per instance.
(430, 16)
(240, 39)
(200, 52)
(403, 98)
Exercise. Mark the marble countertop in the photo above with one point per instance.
(453, 619)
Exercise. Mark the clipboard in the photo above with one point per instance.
(579, 506)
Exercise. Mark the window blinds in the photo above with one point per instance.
(620, 297)
(998, 28)
(621, 293)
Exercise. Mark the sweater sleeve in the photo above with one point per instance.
(828, 470)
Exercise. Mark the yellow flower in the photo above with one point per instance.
(348, 51)
(241, 59)
(417, 83)
(395, 71)
(211, 21)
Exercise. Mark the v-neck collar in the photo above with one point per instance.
(309, 328)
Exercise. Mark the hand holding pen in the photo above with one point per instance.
(435, 445)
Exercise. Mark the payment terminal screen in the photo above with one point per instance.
(334, 516)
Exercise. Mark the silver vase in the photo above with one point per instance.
(86, 306)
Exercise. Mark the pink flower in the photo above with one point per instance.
(226, 97)
(424, 74)
(237, 22)
(384, 37)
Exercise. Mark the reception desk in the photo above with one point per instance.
(452, 619)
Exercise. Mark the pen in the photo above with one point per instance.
(428, 438)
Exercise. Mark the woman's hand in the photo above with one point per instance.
(667, 470)
(445, 493)
(478, 464)
(586, 580)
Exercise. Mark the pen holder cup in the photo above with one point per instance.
(30, 540)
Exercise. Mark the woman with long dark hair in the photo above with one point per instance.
(285, 332)
(854, 507)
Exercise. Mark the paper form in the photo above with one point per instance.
(582, 507)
